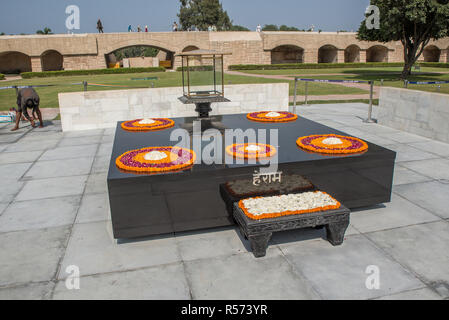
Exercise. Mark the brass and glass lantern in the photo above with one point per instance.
(202, 80)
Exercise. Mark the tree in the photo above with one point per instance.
(285, 28)
(413, 22)
(136, 51)
(2, 34)
(202, 14)
(45, 31)
(239, 28)
(270, 27)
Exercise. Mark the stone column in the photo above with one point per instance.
(444, 56)
(311, 56)
(341, 56)
(362, 56)
(36, 65)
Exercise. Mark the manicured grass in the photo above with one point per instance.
(49, 95)
(375, 101)
(389, 75)
(368, 71)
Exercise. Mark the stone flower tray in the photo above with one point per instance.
(259, 232)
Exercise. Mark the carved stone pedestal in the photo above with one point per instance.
(259, 232)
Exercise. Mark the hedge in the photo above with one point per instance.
(313, 66)
(46, 74)
(196, 68)
(2, 76)
(434, 64)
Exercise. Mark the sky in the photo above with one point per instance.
(28, 16)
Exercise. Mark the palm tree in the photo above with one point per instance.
(45, 31)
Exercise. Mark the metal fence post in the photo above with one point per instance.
(406, 84)
(85, 85)
(370, 108)
(306, 93)
(294, 96)
(438, 88)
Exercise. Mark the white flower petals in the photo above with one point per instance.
(332, 141)
(155, 156)
(291, 202)
(147, 121)
(253, 147)
(273, 114)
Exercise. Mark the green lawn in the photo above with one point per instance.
(375, 71)
(49, 95)
(389, 75)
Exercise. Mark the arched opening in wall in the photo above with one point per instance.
(287, 54)
(377, 54)
(14, 62)
(328, 54)
(352, 54)
(192, 61)
(52, 60)
(190, 48)
(431, 54)
(140, 56)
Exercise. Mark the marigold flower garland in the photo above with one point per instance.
(271, 116)
(251, 150)
(156, 159)
(270, 215)
(152, 124)
(332, 144)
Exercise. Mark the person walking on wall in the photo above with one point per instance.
(139, 29)
(27, 98)
(99, 26)
(146, 28)
(130, 29)
(175, 26)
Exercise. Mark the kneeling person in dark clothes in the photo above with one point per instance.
(28, 99)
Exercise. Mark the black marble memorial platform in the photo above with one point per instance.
(144, 205)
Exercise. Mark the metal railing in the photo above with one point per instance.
(369, 119)
(437, 83)
(85, 85)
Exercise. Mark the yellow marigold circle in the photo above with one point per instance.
(348, 145)
(159, 124)
(284, 116)
(176, 160)
(241, 150)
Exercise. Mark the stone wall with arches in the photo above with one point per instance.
(90, 51)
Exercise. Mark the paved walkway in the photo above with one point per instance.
(11, 78)
(54, 214)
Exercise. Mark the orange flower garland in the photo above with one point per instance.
(332, 144)
(159, 124)
(156, 159)
(287, 213)
(265, 116)
(251, 150)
